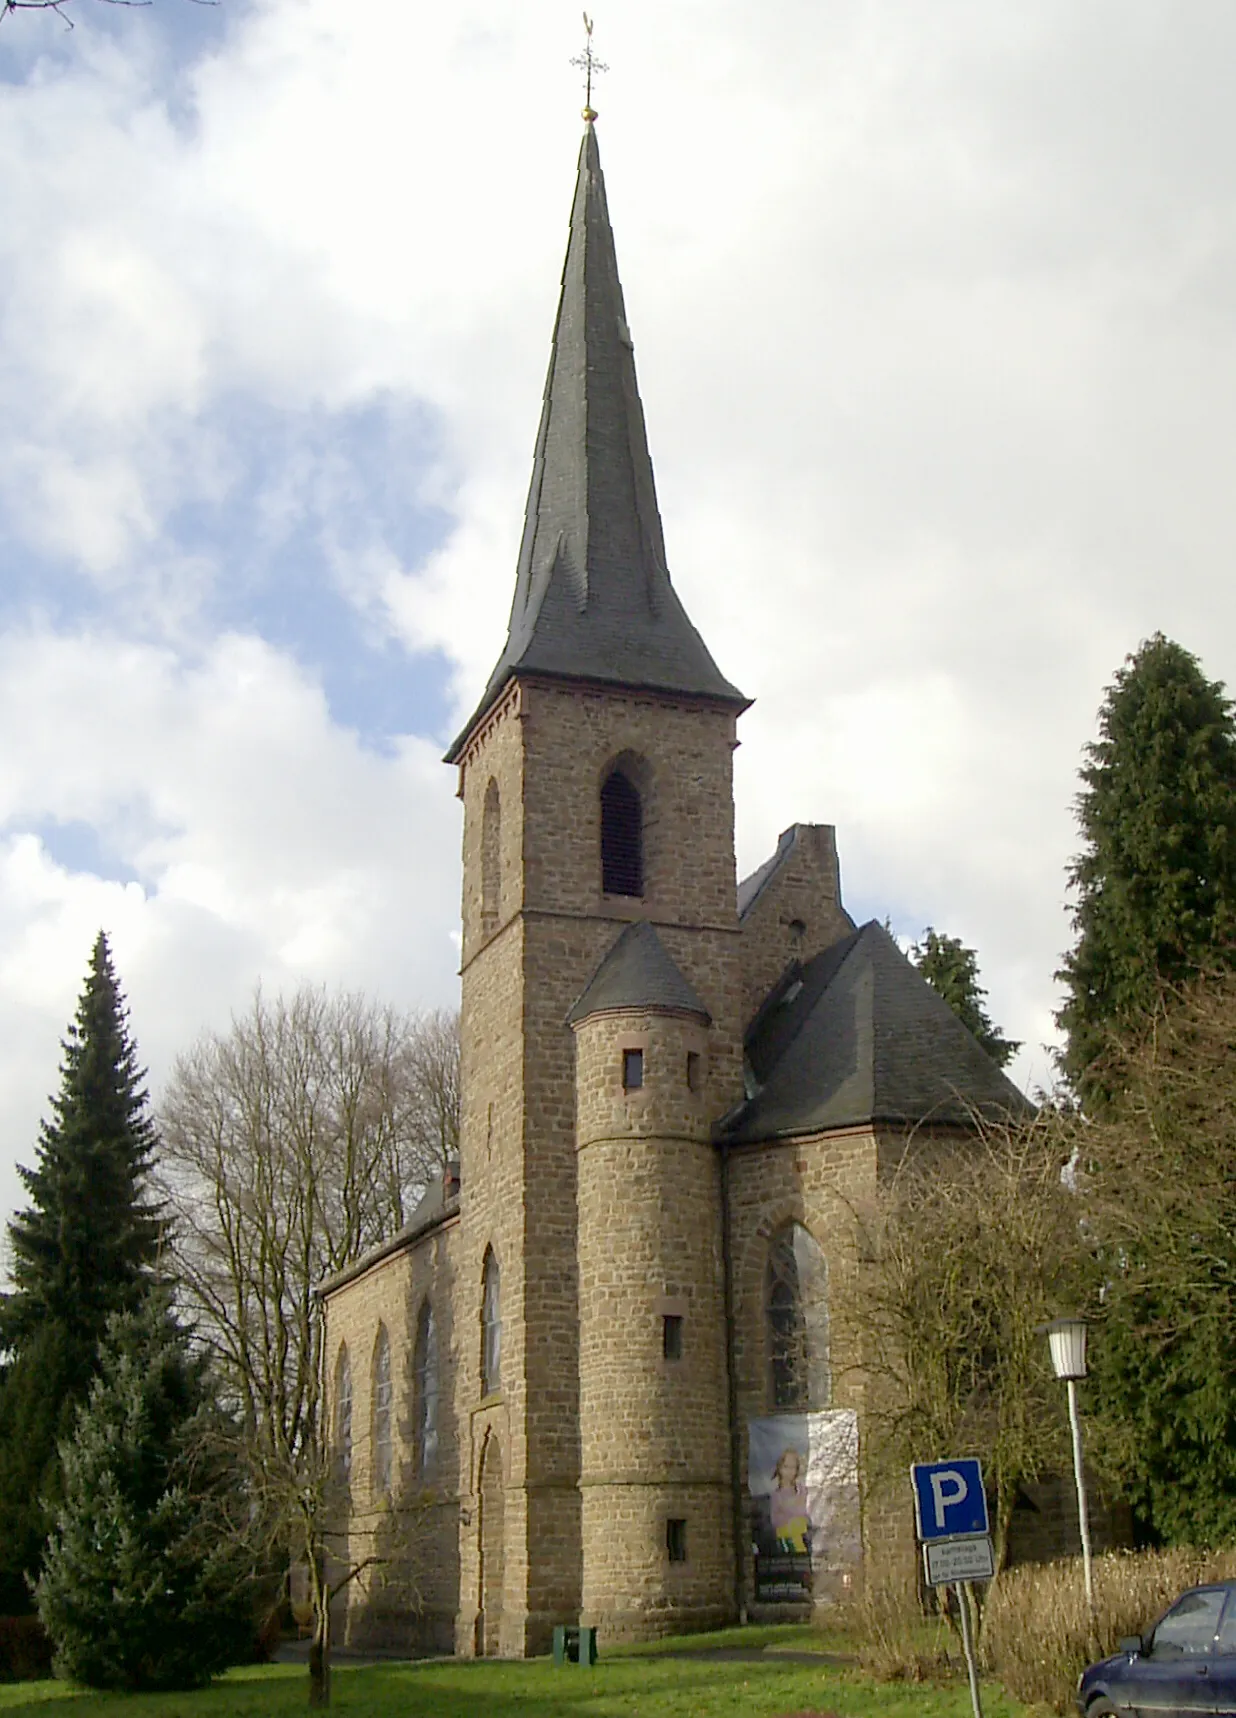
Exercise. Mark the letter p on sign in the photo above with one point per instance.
(949, 1498)
(947, 1487)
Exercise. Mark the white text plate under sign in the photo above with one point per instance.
(959, 1560)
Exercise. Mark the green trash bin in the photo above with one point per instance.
(574, 1645)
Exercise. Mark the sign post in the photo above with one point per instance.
(950, 1516)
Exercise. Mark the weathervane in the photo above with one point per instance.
(590, 66)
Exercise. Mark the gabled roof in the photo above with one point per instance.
(638, 972)
(857, 1035)
(593, 598)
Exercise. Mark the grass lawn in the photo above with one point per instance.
(621, 1686)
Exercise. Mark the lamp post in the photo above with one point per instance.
(1067, 1337)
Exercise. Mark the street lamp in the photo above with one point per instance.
(1067, 1337)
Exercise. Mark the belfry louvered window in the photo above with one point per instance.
(622, 837)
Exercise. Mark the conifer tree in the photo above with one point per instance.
(952, 969)
(1156, 879)
(82, 1251)
(147, 1581)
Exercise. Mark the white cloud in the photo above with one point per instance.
(934, 323)
(268, 843)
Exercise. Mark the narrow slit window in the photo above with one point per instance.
(693, 1070)
(343, 1414)
(676, 1539)
(632, 1070)
(425, 1370)
(671, 1336)
(382, 1393)
(622, 837)
(491, 1327)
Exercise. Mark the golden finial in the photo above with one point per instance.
(590, 66)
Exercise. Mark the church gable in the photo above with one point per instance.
(790, 908)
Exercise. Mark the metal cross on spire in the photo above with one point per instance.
(591, 67)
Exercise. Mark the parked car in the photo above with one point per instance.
(1186, 1663)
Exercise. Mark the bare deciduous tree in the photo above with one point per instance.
(973, 1245)
(293, 1143)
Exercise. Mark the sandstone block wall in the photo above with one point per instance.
(411, 1596)
(821, 1183)
(653, 1430)
(526, 957)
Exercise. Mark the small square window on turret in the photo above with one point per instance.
(632, 1070)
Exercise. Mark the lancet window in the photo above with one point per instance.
(491, 1327)
(796, 1318)
(343, 1413)
(383, 1444)
(425, 1389)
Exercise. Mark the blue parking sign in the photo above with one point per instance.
(949, 1498)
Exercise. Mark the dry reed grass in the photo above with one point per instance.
(1037, 1636)
(893, 1640)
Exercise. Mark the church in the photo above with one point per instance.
(595, 1378)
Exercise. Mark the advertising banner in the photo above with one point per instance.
(802, 1474)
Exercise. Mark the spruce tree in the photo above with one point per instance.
(147, 1581)
(1156, 879)
(83, 1251)
(952, 969)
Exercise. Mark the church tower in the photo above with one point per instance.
(602, 1038)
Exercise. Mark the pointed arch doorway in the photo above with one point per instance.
(493, 1499)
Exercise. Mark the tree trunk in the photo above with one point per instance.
(319, 1646)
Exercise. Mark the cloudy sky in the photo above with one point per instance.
(935, 317)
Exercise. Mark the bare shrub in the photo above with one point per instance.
(1037, 1635)
(894, 1641)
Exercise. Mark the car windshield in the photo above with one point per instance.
(1189, 1627)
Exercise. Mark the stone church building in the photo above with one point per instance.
(594, 1376)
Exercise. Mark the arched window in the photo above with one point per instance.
(491, 1327)
(796, 1314)
(622, 836)
(343, 1413)
(425, 1387)
(383, 1448)
(491, 857)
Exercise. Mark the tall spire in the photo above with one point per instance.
(593, 598)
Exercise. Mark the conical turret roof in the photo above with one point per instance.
(593, 598)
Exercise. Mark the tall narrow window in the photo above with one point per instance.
(622, 837)
(491, 858)
(343, 1413)
(425, 1384)
(796, 1312)
(491, 1327)
(383, 1449)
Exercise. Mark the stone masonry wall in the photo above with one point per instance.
(409, 1599)
(821, 1182)
(654, 1439)
(548, 748)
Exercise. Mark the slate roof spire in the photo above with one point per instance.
(593, 598)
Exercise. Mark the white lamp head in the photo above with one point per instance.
(1067, 1337)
